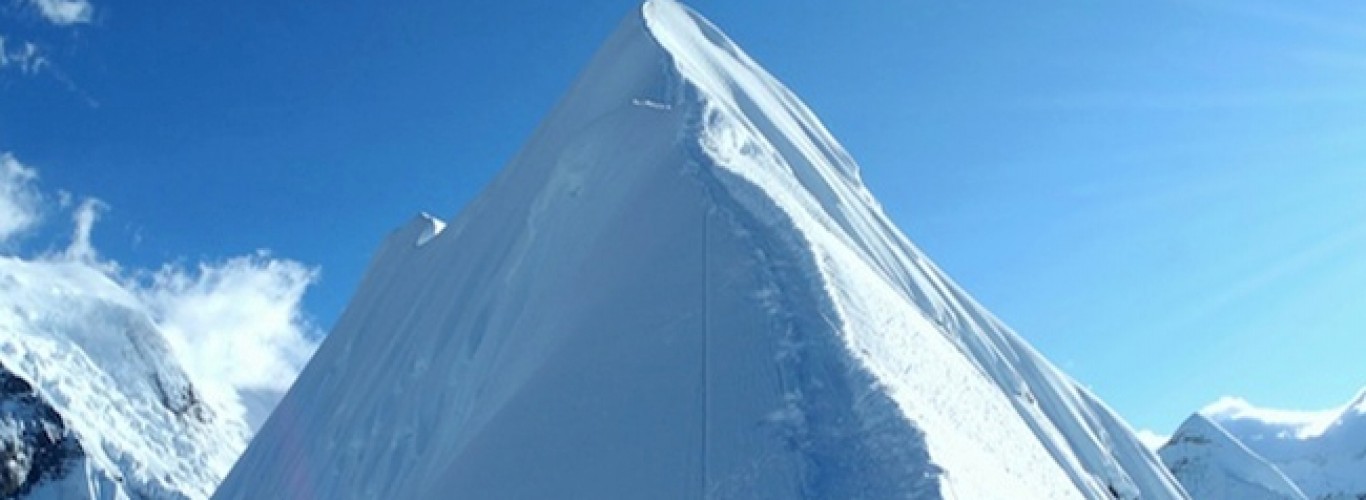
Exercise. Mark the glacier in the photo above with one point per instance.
(679, 288)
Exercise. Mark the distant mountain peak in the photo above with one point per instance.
(1232, 444)
(1211, 464)
(93, 403)
(1199, 429)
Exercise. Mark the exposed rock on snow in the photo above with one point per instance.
(35, 444)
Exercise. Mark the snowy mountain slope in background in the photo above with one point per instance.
(1323, 453)
(1212, 464)
(679, 288)
(92, 402)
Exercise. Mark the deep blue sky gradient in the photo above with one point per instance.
(1167, 198)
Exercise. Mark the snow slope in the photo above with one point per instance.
(92, 402)
(1212, 464)
(1324, 454)
(679, 288)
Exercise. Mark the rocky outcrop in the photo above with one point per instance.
(35, 444)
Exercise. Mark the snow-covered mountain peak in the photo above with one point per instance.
(95, 403)
(1345, 437)
(753, 128)
(1212, 464)
(1198, 429)
(679, 288)
(1322, 453)
(122, 382)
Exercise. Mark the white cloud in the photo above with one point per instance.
(65, 12)
(237, 320)
(83, 219)
(30, 59)
(24, 56)
(1151, 439)
(19, 198)
(1235, 413)
(235, 324)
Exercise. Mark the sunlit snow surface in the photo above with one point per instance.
(679, 288)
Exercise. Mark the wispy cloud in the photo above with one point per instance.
(237, 322)
(65, 12)
(22, 56)
(30, 57)
(19, 198)
(83, 219)
(1298, 423)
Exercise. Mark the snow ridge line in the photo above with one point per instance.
(815, 352)
(1075, 428)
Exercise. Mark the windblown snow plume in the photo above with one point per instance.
(123, 383)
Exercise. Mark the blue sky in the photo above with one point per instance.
(1167, 198)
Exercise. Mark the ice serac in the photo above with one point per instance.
(679, 288)
(1211, 464)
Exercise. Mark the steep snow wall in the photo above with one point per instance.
(679, 288)
(760, 131)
